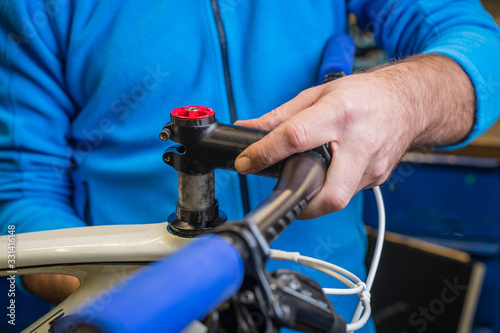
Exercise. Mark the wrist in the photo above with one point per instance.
(400, 92)
(435, 96)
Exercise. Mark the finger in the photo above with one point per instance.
(273, 119)
(53, 288)
(342, 183)
(369, 182)
(305, 130)
(379, 170)
(254, 123)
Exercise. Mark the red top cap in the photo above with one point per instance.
(192, 112)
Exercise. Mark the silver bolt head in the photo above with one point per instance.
(165, 134)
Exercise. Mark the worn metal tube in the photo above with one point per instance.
(196, 191)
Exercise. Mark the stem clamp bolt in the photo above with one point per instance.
(165, 134)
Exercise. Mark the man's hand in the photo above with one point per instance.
(53, 288)
(370, 120)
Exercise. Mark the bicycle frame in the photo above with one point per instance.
(100, 257)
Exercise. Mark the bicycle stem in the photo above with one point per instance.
(206, 145)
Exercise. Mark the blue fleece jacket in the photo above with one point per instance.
(85, 87)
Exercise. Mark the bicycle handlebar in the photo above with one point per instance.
(302, 176)
(169, 294)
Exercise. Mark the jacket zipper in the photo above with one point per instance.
(229, 91)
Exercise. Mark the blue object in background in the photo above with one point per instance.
(338, 55)
(457, 206)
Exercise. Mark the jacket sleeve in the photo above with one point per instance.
(459, 29)
(35, 114)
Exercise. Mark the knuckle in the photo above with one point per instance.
(270, 120)
(274, 116)
(265, 157)
(338, 200)
(274, 113)
(383, 178)
(340, 117)
(378, 170)
(344, 109)
(296, 136)
(374, 183)
(380, 180)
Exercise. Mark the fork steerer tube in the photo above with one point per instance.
(196, 191)
(197, 210)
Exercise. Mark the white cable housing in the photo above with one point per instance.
(354, 284)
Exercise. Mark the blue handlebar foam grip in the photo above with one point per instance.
(168, 295)
(338, 55)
